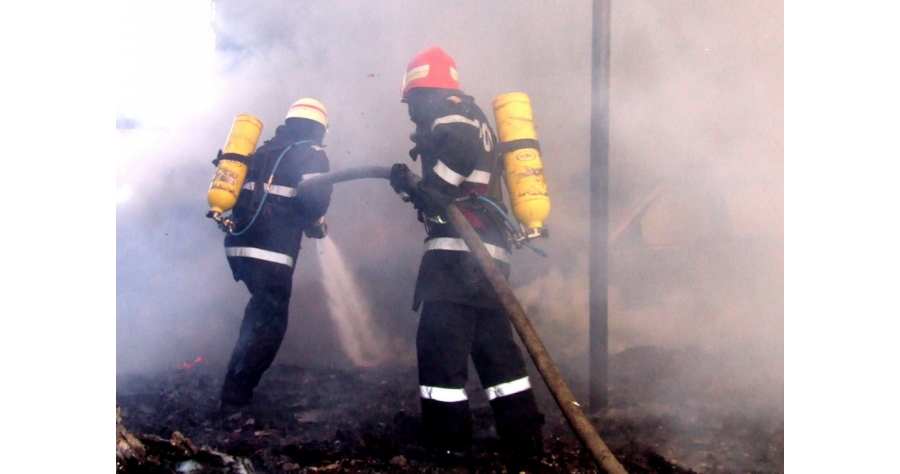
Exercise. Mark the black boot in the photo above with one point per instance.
(234, 394)
(519, 424)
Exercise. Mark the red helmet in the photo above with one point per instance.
(431, 68)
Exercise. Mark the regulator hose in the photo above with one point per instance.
(513, 226)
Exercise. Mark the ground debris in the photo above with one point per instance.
(305, 420)
(151, 454)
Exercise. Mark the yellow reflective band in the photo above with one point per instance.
(441, 394)
(508, 388)
(260, 254)
(459, 245)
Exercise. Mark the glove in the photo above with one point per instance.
(401, 178)
(410, 188)
(317, 230)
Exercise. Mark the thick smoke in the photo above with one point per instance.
(696, 160)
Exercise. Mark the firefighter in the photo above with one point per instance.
(270, 219)
(462, 315)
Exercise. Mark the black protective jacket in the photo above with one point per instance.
(276, 219)
(457, 148)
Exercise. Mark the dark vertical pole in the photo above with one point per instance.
(599, 246)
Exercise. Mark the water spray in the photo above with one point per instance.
(349, 307)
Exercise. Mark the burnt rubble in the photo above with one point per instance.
(316, 419)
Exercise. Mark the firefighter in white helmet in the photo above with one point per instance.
(270, 220)
(462, 315)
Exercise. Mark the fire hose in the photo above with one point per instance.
(570, 408)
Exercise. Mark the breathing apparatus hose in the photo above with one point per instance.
(262, 201)
(513, 227)
(570, 408)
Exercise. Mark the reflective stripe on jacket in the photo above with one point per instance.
(260, 254)
(459, 245)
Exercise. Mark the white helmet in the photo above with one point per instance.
(310, 109)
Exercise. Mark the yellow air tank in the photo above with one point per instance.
(232, 165)
(522, 161)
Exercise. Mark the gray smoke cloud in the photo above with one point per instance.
(696, 183)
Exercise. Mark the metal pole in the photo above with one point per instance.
(599, 235)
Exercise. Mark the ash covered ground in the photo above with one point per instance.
(315, 419)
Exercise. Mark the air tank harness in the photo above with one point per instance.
(227, 225)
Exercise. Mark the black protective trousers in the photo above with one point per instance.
(262, 329)
(448, 334)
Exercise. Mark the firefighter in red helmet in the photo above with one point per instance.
(462, 315)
